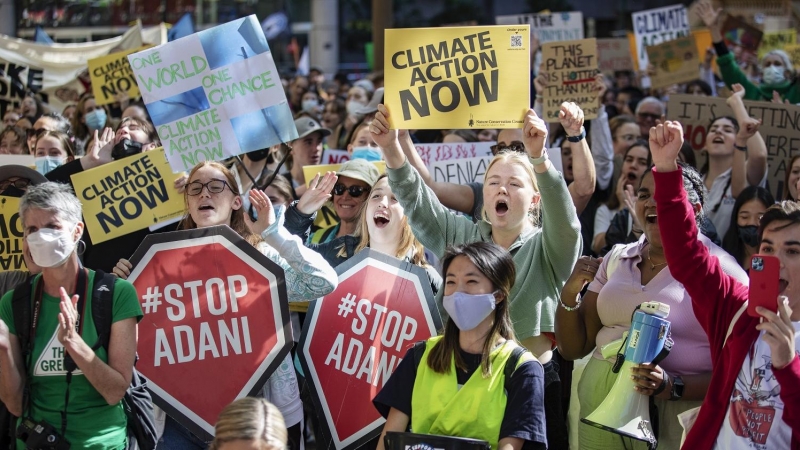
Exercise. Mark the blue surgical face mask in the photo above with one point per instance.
(96, 119)
(309, 105)
(367, 153)
(45, 164)
(468, 310)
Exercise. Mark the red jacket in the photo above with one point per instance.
(716, 297)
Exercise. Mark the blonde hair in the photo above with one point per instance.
(238, 222)
(251, 419)
(522, 160)
(408, 243)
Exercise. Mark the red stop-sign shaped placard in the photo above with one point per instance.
(216, 321)
(355, 337)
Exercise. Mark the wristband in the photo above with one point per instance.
(579, 137)
(743, 149)
(571, 308)
(541, 159)
(663, 385)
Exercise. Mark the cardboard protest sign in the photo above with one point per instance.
(12, 234)
(702, 39)
(128, 195)
(549, 27)
(460, 171)
(658, 25)
(613, 54)
(457, 77)
(51, 70)
(675, 62)
(776, 40)
(737, 32)
(794, 53)
(216, 321)
(111, 75)
(214, 94)
(20, 160)
(331, 156)
(431, 153)
(354, 338)
(780, 129)
(569, 68)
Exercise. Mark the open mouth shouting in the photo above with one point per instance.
(651, 218)
(381, 218)
(501, 208)
(782, 285)
(718, 140)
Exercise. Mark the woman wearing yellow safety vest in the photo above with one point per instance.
(460, 386)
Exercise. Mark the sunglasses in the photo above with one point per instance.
(19, 183)
(355, 191)
(213, 186)
(515, 146)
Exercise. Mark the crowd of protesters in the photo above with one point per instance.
(534, 268)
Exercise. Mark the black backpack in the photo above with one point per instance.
(137, 402)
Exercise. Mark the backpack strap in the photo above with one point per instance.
(513, 361)
(102, 307)
(419, 352)
(21, 310)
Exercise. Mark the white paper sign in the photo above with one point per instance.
(559, 26)
(655, 26)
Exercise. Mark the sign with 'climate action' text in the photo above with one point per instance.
(11, 235)
(214, 94)
(655, 26)
(465, 77)
(112, 75)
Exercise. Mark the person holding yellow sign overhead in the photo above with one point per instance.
(516, 186)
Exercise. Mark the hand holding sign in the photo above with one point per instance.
(318, 192)
(386, 138)
(264, 209)
(122, 269)
(665, 145)
(534, 134)
(571, 118)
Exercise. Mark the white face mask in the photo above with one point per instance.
(51, 248)
(354, 108)
(309, 105)
(774, 75)
(468, 310)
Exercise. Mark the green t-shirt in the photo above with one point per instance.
(91, 422)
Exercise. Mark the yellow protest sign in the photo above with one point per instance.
(569, 68)
(794, 53)
(776, 40)
(112, 74)
(11, 231)
(128, 195)
(675, 62)
(703, 41)
(457, 77)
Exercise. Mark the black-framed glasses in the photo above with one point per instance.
(515, 146)
(19, 183)
(355, 191)
(213, 186)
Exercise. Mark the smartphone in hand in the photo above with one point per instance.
(764, 283)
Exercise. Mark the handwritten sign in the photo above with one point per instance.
(128, 195)
(655, 26)
(460, 171)
(613, 54)
(112, 75)
(780, 128)
(11, 231)
(569, 69)
(331, 156)
(776, 40)
(431, 153)
(549, 27)
(214, 94)
(675, 62)
(468, 77)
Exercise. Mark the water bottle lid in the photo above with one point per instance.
(657, 309)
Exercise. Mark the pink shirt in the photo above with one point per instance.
(619, 296)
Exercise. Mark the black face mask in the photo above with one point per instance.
(749, 235)
(258, 155)
(13, 191)
(125, 148)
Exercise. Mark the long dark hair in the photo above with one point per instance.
(787, 194)
(731, 243)
(704, 169)
(613, 201)
(496, 264)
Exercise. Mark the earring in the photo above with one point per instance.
(83, 250)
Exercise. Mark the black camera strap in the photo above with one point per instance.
(69, 363)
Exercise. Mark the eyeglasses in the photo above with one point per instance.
(355, 191)
(213, 186)
(651, 116)
(19, 183)
(31, 132)
(515, 146)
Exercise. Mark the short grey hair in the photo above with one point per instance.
(57, 198)
(647, 100)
